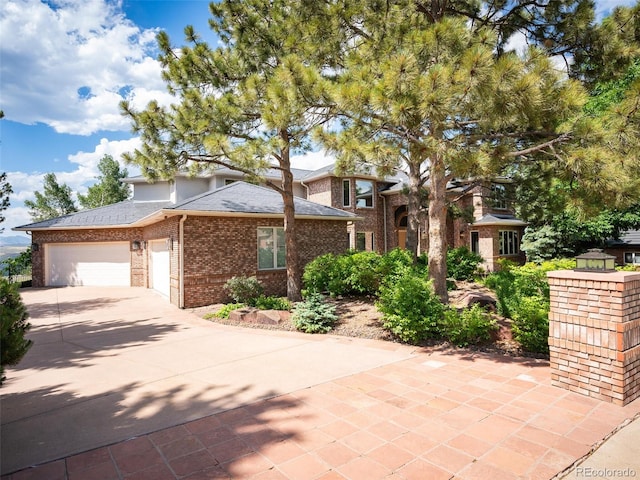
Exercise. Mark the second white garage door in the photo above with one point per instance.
(91, 264)
(159, 266)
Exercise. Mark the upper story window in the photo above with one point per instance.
(499, 196)
(509, 242)
(229, 181)
(271, 248)
(346, 193)
(364, 194)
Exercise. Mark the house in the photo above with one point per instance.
(185, 238)
(626, 248)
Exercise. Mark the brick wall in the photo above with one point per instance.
(594, 334)
(166, 229)
(218, 248)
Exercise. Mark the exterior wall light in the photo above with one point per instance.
(595, 260)
(136, 245)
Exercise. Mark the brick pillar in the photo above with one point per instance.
(594, 334)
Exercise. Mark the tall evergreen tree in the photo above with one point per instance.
(5, 191)
(246, 105)
(54, 202)
(110, 187)
(429, 91)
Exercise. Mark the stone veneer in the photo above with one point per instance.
(594, 334)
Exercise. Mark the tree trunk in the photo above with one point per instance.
(438, 228)
(413, 210)
(294, 277)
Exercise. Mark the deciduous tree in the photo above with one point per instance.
(110, 187)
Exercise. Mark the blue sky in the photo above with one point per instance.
(64, 67)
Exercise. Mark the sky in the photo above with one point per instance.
(64, 67)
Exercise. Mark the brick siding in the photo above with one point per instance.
(594, 334)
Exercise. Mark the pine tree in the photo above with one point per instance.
(56, 200)
(5, 192)
(246, 105)
(13, 326)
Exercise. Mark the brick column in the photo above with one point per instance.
(594, 334)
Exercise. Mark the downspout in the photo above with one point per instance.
(384, 222)
(181, 234)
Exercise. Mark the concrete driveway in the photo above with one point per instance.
(109, 364)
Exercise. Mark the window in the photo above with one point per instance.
(271, 248)
(499, 196)
(364, 194)
(632, 257)
(346, 193)
(475, 242)
(364, 241)
(509, 242)
(229, 181)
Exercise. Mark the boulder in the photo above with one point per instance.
(482, 299)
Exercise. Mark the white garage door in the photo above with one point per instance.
(92, 264)
(159, 266)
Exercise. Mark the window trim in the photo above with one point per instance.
(274, 238)
(346, 183)
(635, 258)
(373, 189)
(506, 252)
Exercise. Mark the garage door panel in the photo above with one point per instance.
(91, 264)
(160, 266)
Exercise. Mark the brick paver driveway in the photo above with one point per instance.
(207, 401)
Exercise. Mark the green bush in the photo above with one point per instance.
(411, 310)
(314, 315)
(272, 303)
(353, 273)
(471, 326)
(13, 326)
(462, 263)
(225, 310)
(244, 289)
(531, 324)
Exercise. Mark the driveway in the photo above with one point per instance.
(109, 364)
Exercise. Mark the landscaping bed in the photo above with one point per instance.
(359, 318)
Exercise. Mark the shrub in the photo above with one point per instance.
(314, 315)
(225, 310)
(471, 326)
(13, 326)
(410, 308)
(244, 289)
(272, 303)
(462, 263)
(531, 324)
(318, 273)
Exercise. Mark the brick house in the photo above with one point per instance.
(626, 248)
(185, 248)
(187, 237)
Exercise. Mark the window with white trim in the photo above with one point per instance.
(271, 248)
(632, 258)
(509, 242)
(346, 193)
(364, 194)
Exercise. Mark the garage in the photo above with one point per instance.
(159, 266)
(90, 264)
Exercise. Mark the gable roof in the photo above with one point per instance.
(236, 199)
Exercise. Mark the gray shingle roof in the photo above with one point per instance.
(499, 219)
(245, 198)
(118, 214)
(630, 238)
(238, 197)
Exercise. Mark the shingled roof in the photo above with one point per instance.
(238, 198)
(629, 238)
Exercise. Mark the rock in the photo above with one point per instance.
(264, 317)
(482, 299)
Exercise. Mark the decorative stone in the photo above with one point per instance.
(481, 299)
(264, 317)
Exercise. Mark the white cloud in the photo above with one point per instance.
(68, 63)
(25, 184)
